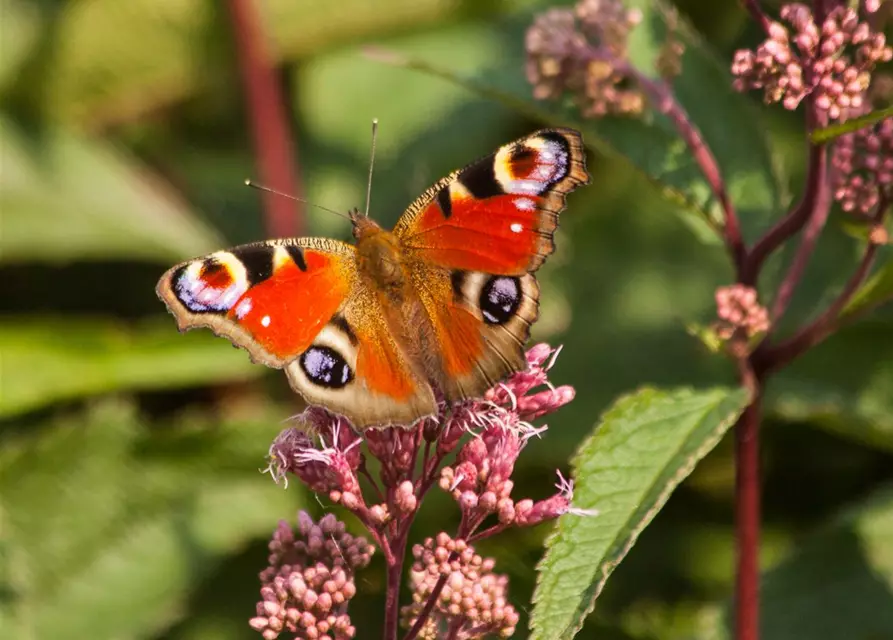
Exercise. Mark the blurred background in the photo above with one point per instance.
(133, 506)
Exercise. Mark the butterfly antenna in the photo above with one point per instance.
(261, 187)
(371, 164)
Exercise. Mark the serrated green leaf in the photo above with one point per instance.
(644, 446)
(877, 290)
(66, 197)
(650, 143)
(46, 360)
(104, 541)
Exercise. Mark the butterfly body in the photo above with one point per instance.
(444, 301)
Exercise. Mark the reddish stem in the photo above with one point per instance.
(747, 511)
(664, 101)
(793, 221)
(392, 597)
(756, 11)
(270, 132)
(821, 207)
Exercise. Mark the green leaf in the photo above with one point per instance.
(104, 541)
(47, 360)
(877, 290)
(66, 197)
(645, 445)
(842, 385)
(835, 131)
(651, 143)
(838, 585)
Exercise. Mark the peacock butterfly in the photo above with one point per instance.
(444, 301)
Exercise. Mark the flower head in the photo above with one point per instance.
(583, 51)
(739, 310)
(310, 579)
(472, 599)
(831, 60)
(863, 162)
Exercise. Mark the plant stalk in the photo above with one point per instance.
(747, 512)
(270, 133)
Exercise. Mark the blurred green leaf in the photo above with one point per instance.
(66, 197)
(650, 143)
(21, 28)
(92, 524)
(842, 385)
(877, 290)
(838, 585)
(645, 445)
(102, 73)
(46, 360)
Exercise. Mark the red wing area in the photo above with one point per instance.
(497, 215)
(285, 312)
(459, 336)
(499, 234)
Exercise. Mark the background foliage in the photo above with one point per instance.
(132, 506)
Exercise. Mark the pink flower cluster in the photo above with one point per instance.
(863, 163)
(830, 59)
(472, 601)
(310, 579)
(739, 310)
(329, 457)
(579, 50)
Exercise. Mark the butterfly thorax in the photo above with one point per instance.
(379, 257)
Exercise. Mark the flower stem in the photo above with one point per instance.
(392, 595)
(269, 125)
(795, 219)
(756, 11)
(747, 511)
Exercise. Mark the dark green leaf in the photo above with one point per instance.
(842, 385)
(645, 445)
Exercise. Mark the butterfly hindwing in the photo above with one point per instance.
(300, 305)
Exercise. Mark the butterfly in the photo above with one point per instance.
(442, 302)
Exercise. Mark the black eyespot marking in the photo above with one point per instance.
(258, 262)
(325, 366)
(480, 179)
(444, 201)
(500, 299)
(341, 322)
(297, 254)
(457, 280)
(558, 140)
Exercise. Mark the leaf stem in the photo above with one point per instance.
(795, 219)
(270, 132)
(394, 575)
(821, 207)
(662, 99)
(777, 356)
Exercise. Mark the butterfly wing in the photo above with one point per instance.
(300, 305)
(474, 240)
